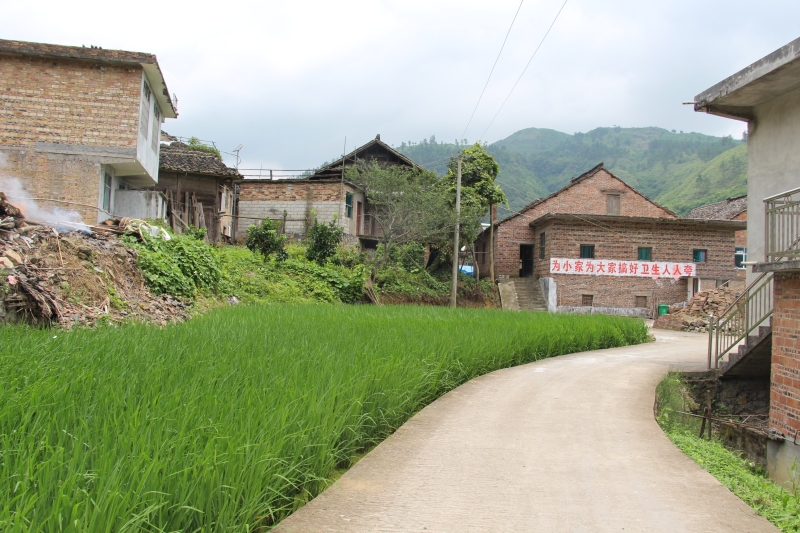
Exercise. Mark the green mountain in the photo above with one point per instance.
(679, 170)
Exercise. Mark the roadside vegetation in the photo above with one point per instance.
(748, 481)
(230, 421)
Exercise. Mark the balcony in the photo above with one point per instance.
(782, 227)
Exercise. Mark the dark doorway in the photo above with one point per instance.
(359, 216)
(526, 260)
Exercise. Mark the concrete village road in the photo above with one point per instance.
(563, 444)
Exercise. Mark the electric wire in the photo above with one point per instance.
(492, 71)
(525, 69)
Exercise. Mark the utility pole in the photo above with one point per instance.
(491, 243)
(454, 288)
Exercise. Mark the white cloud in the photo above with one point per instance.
(292, 79)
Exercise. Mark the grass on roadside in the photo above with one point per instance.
(220, 423)
(748, 482)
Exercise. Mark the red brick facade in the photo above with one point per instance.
(587, 195)
(581, 214)
(291, 191)
(784, 408)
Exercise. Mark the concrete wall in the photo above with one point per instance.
(773, 150)
(139, 204)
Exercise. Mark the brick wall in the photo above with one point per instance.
(262, 199)
(68, 178)
(68, 102)
(784, 411)
(587, 196)
(621, 240)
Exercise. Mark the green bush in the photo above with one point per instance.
(267, 240)
(180, 266)
(323, 241)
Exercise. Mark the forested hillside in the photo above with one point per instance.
(680, 170)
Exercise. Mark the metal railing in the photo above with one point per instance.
(782, 226)
(750, 310)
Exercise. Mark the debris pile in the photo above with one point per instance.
(694, 316)
(74, 277)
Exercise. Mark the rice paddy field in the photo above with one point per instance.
(229, 421)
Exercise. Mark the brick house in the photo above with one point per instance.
(199, 188)
(729, 209)
(766, 95)
(323, 195)
(599, 220)
(78, 124)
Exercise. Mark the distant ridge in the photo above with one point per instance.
(679, 170)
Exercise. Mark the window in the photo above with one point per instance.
(645, 254)
(613, 204)
(107, 192)
(740, 257)
(156, 127)
(587, 300)
(144, 119)
(587, 251)
(699, 256)
(641, 301)
(541, 246)
(348, 200)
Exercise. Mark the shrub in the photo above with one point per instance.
(196, 233)
(323, 241)
(267, 239)
(180, 266)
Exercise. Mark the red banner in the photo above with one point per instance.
(611, 267)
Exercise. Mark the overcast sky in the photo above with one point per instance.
(291, 80)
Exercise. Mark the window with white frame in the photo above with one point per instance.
(107, 192)
(144, 117)
(740, 257)
(156, 126)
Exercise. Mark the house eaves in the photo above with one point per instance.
(769, 77)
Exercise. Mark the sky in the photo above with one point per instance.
(299, 82)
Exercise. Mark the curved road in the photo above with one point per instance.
(564, 444)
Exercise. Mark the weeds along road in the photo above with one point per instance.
(563, 444)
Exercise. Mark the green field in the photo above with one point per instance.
(228, 421)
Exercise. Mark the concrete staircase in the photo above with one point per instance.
(522, 294)
(753, 358)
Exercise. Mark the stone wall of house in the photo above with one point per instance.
(259, 200)
(72, 182)
(68, 102)
(784, 413)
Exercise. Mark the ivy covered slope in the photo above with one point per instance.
(680, 170)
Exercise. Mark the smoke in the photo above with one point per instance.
(60, 218)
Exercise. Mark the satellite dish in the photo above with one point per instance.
(238, 147)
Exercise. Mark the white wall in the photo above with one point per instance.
(773, 151)
(147, 156)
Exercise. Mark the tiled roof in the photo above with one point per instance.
(74, 52)
(724, 210)
(176, 157)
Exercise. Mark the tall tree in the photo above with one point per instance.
(479, 170)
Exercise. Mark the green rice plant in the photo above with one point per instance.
(229, 421)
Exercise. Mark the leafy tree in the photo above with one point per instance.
(323, 241)
(409, 205)
(267, 239)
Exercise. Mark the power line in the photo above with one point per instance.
(492, 71)
(526, 68)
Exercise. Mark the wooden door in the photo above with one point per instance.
(526, 260)
(359, 217)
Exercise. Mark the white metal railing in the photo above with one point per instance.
(782, 226)
(750, 310)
